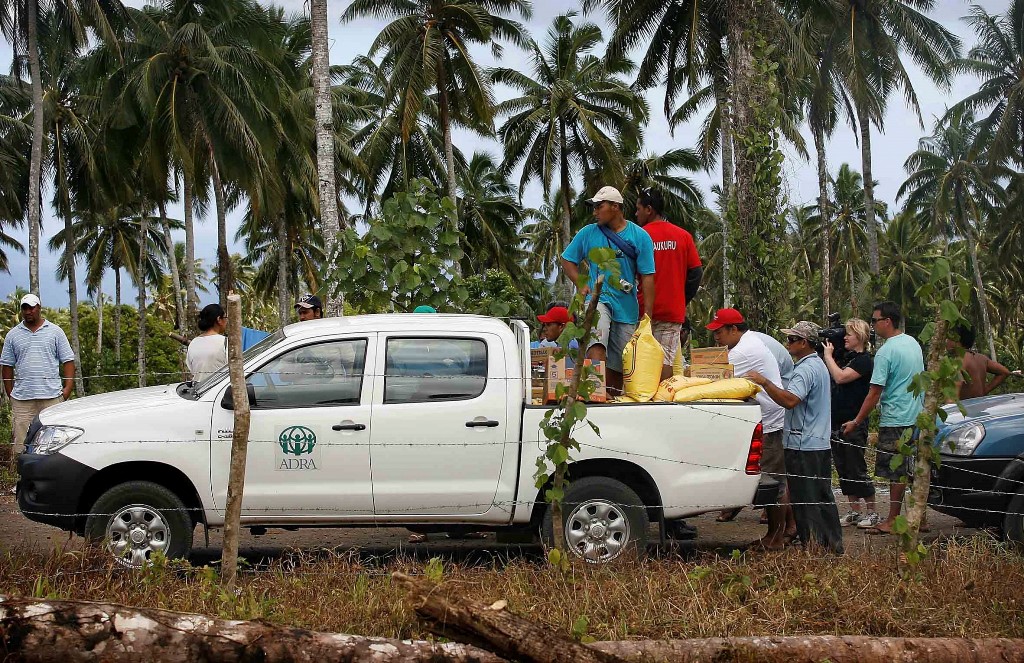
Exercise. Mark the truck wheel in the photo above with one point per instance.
(138, 518)
(603, 521)
(1013, 523)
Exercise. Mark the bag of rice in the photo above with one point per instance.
(667, 390)
(641, 363)
(731, 388)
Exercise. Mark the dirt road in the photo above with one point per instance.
(19, 533)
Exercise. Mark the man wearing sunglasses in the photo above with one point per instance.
(896, 363)
(807, 438)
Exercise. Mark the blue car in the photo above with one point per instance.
(981, 477)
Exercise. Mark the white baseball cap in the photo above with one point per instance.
(30, 300)
(607, 193)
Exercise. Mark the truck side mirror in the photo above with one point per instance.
(228, 402)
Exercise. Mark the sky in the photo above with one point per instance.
(890, 149)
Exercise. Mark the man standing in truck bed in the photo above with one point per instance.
(677, 275)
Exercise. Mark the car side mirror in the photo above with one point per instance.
(228, 402)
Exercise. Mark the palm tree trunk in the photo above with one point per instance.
(826, 222)
(140, 280)
(979, 285)
(869, 191)
(179, 308)
(70, 249)
(117, 314)
(225, 273)
(446, 128)
(191, 291)
(283, 296)
(99, 326)
(35, 170)
(728, 173)
(566, 187)
(324, 119)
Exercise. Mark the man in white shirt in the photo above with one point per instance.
(748, 354)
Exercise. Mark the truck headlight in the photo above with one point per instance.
(51, 439)
(964, 440)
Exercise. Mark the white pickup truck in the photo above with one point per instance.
(422, 421)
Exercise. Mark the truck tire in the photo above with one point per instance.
(135, 519)
(1013, 523)
(604, 520)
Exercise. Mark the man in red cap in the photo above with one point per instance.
(554, 322)
(748, 354)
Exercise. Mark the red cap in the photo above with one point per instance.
(725, 316)
(558, 314)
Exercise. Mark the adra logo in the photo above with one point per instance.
(297, 449)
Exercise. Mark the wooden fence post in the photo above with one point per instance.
(239, 444)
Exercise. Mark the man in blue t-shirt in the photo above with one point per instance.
(896, 363)
(618, 307)
(808, 450)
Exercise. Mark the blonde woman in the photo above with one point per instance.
(852, 381)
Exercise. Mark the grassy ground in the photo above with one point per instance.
(969, 587)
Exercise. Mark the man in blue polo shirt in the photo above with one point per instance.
(806, 439)
(35, 355)
(618, 306)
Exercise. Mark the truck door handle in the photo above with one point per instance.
(487, 423)
(348, 427)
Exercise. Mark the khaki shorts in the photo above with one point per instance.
(23, 413)
(669, 334)
(773, 457)
(614, 336)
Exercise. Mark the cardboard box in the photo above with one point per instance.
(547, 373)
(710, 371)
(706, 356)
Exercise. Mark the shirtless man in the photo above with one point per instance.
(977, 367)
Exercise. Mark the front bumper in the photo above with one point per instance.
(50, 488)
(970, 489)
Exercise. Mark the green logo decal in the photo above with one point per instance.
(297, 440)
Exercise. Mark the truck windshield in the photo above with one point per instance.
(255, 350)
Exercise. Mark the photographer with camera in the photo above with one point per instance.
(851, 382)
(618, 307)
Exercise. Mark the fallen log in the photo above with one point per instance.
(492, 627)
(817, 648)
(36, 631)
(39, 631)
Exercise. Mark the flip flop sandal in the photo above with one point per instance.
(728, 516)
(417, 538)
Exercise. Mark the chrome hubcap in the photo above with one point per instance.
(135, 532)
(597, 531)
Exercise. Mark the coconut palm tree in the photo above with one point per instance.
(998, 61)
(15, 136)
(543, 235)
(954, 194)
(907, 253)
(683, 199)
(427, 45)
(198, 74)
(21, 22)
(874, 37)
(575, 115)
(389, 159)
(489, 218)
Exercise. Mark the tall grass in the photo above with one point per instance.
(968, 587)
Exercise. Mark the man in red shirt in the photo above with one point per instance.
(677, 276)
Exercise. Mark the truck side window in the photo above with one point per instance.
(428, 370)
(320, 375)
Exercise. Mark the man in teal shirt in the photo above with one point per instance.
(896, 363)
(618, 307)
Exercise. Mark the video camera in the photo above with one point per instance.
(835, 333)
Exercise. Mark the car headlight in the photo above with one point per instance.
(51, 439)
(964, 440)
